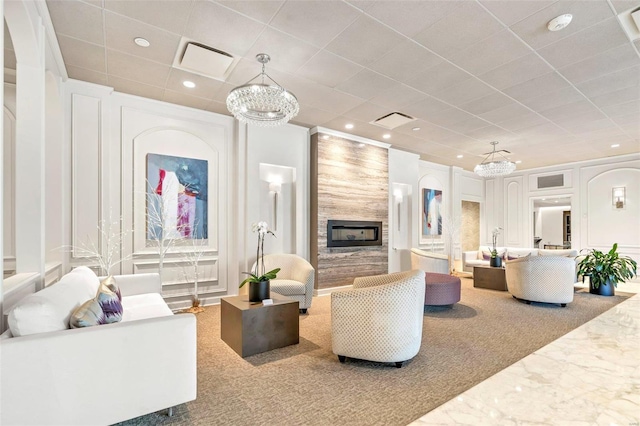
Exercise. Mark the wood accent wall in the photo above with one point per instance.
(349, 181)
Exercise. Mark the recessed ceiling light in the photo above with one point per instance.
(415, 129)
(325, 136)
(615, 145)
(189, 84)
(519, 161)
(142, 42)
(559, 22)
(349, 126)
(386, 136)
(544, 199)
(361, 145)
(460, 156)
(555, 201)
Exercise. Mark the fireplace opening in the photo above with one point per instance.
(348, 233)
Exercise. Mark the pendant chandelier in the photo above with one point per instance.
(262, 104)
(494, 167)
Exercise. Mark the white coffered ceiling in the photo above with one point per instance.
(469, 71)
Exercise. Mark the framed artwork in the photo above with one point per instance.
(177, 197)
(431, 212)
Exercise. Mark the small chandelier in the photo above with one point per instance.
(494, 168)
(262, 104)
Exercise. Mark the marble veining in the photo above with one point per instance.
(589, 376)
(349, 182)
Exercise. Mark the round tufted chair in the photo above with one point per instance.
(380, 318)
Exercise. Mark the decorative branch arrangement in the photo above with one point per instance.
(160, 235)
(450, 230)
(193, 256)
(112, 239)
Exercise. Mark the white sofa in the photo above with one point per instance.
(99, 375)
(429, 261)
(478, 257)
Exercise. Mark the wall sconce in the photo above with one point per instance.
(619, 197)
(399, 198)
(275, 188)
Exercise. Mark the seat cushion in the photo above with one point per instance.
(287, 287)
(143, 306)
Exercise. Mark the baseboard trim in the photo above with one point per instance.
(328, 291)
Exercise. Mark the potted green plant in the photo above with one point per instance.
(495, 261)
(258, 279)
(606, 270)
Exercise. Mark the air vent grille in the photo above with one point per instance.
(552, 181)
(393, 120)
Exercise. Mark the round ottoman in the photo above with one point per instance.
(441, 289)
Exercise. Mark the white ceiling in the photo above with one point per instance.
(469, 71)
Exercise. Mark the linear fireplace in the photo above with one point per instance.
(349, 233)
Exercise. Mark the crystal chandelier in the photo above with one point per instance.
(494, 168)
(262, 104)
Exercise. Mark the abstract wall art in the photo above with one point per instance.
(177, 197)
(431, 211)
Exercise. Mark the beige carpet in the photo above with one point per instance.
(306, 385)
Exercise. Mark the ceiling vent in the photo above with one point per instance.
(551, 181)
(393, 120)
(630, 21)
(204, 60)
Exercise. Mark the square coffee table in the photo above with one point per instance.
(250, 328)
(489, 277)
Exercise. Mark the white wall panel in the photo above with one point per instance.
(404, 198)
(9, 202)
(513, 224)
(605, 223)
(471, 189)
(86, 164)
(272, 154)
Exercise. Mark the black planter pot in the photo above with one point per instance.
(496, 262)
(607, 289)
(259, 291)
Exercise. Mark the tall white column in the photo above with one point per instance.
(30, 164)
(1, 169)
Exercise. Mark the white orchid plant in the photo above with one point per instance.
(259, 274)
(495, 233)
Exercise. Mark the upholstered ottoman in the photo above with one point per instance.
(441, 289)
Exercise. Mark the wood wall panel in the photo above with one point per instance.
(349, 182)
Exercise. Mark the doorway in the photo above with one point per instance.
(552, 222)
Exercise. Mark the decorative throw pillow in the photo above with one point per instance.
(87, 315)
(109, 303)
(517, 256)
(486, 255)
(110, 282)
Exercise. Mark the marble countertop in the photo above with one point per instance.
(589, 376)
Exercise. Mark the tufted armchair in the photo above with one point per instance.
(429, 261)
(548, 279)
(295, 279)
(380, 318)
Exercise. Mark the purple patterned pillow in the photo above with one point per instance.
(110, 282)
(87, 315)
(486, 255)
(110, 304)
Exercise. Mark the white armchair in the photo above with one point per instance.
(295, 279)
(547, 279)
(380, 319)
(429, 261)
